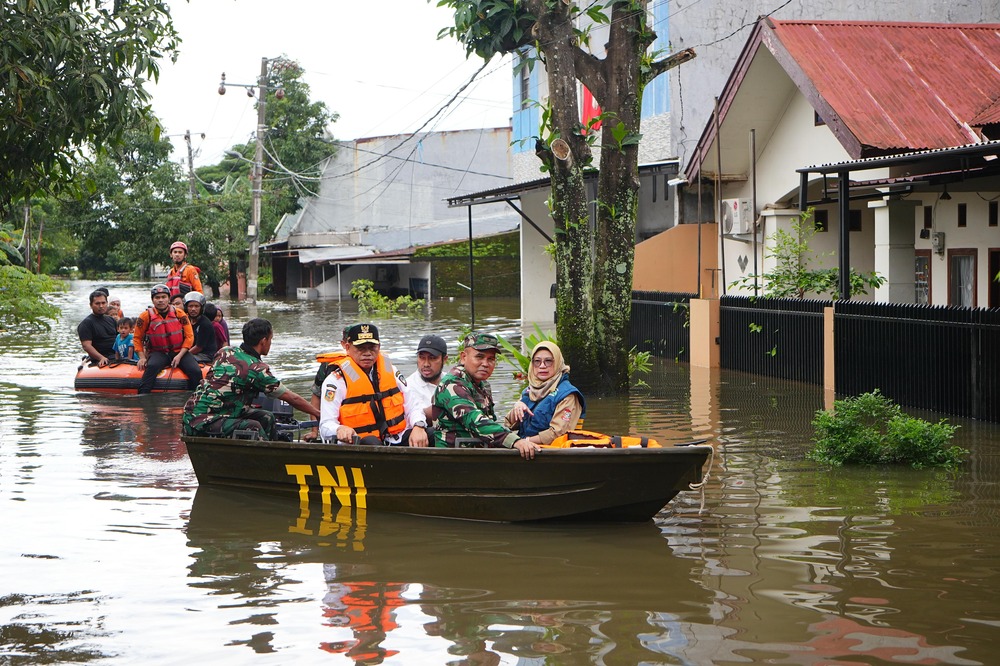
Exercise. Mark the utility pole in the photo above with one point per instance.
(191, 186)
(254, 231)
(26, 236)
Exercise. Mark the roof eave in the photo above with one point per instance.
(708, 136)
(772, 39)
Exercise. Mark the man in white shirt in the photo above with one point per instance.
(432, 354)
(366, 397)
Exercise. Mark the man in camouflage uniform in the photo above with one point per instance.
(221, 404)
(464, 402)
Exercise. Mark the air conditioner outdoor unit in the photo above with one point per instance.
(736, 216)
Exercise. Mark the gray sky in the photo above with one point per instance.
(378, 64)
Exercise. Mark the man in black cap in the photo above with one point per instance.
(365, 397)
(432, 354)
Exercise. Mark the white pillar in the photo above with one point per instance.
(895, 230)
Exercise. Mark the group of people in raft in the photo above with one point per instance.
(358, 395)
(180, 329)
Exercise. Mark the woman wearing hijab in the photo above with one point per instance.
(550, 406)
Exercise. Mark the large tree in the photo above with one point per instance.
(593, 269)
(73, 73)
(138, 202)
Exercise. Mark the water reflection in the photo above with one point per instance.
(108, 555)
(486, 590)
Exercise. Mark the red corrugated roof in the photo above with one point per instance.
(901, 86)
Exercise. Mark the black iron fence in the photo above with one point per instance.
(945, 359)
(775, 337)
(660, 323)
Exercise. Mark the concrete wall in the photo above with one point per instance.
(390, 192)
(669, 261)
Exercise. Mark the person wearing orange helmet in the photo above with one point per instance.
(183, 277)
(163, 337)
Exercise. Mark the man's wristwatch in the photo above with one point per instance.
(420, 424)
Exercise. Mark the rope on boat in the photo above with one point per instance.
(708, 471)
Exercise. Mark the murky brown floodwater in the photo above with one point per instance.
(112, 554)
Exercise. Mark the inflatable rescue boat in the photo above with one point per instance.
(124, 377)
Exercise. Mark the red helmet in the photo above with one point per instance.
(179, 244)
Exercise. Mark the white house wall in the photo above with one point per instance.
(796, 141)
(976, 235)
(538, 271)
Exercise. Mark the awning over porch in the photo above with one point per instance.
(309, 255)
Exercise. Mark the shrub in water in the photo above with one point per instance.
(870, 429)
(370, 301)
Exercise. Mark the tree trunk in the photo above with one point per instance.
(618, 192)
(573, 235)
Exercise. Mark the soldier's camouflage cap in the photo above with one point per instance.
(481, 341)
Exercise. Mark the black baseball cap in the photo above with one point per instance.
(434, 344)
(360, 334)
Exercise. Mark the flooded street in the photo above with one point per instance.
(112, 554)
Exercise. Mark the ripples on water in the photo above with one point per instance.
(110, 554)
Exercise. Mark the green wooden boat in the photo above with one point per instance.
(582, 483)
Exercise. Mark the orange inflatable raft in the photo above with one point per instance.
(124, 377)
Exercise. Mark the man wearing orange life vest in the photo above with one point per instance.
(183, 277)
(162, 337)
(327, 362)
(366, 397)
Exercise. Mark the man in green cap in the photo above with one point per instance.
(464, 402)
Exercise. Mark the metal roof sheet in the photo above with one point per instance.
(901, 86)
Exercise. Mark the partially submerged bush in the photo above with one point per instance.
(870, 429)
(370, 301)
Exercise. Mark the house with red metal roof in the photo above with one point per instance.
(889, 132)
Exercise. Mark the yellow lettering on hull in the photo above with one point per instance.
(349, 490)
(347, 485)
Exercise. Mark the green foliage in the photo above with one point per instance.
(22, 304)
(622, 137)
(73, 75)
(137, 201)
(639, 363)
(372, 302)
(296, 142)
(872, 430)
(593, 269)
(9, 254)
(501, 245)
(793, 275)
(489, 27)
(522, 360)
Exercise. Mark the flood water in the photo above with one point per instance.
(112, 554)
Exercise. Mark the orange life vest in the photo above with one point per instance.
(165, 334)
(587, 438)
(176, 282)
(334, 357)
(368, 410)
